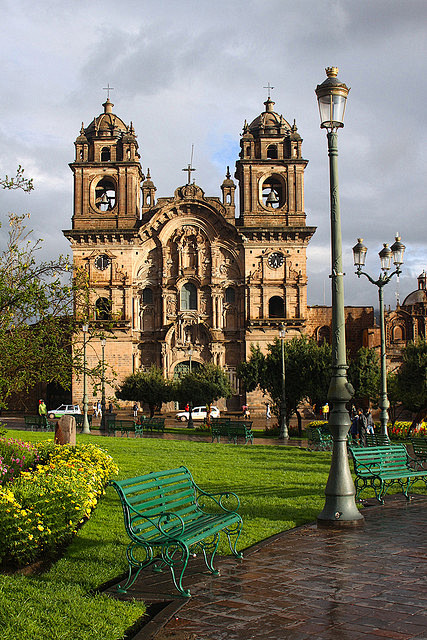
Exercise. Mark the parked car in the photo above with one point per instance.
(198, 413)
(71, 409)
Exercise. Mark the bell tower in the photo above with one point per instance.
(272, 222)
(107, 174)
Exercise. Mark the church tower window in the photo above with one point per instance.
(105, 154)
(272, 151)
(273, 192)
(230, 295)
(276, 307)
(105, 194)
(188, 297)
(103, 309)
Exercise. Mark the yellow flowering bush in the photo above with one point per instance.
(44, 507)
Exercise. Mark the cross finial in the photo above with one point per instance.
(108, 89)
(189, 167)
(269, 87)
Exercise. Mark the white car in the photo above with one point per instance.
(198, 413)
(69, 409)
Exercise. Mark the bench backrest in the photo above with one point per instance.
(419, 446)
(377, 459)
(146, 499)
(377, 440)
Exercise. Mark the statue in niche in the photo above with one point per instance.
(171, 305)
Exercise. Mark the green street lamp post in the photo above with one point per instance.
(86, 428)
(283, 431)
(396, 252)
(190, 404)
(340, 508)
(103, 416)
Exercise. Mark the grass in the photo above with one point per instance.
(279, 488)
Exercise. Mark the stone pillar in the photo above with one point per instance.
(65, 430)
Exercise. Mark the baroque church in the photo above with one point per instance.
(192, 278)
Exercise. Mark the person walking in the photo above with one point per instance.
(135, 410)
(361, 427)
(325, 411)
(268, 411)
(369, 422)
(99, 409)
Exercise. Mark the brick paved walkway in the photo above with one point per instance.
(308, 583)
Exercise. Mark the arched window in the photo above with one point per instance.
(105, 194)
(188, 297)
(276, 307)
(103, 309)
(397, 333)
(230, 295)
(273, 193)
(147, 296)
(272, 152)
(324, 335)
(105, 154)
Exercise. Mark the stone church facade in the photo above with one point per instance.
(191, 270)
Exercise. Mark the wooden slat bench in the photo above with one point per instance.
(377, 440)
(167, 516)
(152, 424)
(39, 423)
(126, 427)
(381, 467)
(232, 429)
(419, 445)
(319, 439)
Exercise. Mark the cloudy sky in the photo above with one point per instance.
(191, 71)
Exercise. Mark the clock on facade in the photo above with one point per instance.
(102, 262)
(275, 260)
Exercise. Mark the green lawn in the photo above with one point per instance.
(279, 488)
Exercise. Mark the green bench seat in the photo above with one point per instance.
(377, 440)
(126, 427)
(319, 439)
(381, 467)
(232, 429)
(152, 424)
(419, 446)
(168, 517)
(80, 418)
(39, 423)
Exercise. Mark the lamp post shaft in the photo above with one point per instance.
(340, 506)
(384, 403)
(190, 424)
(283, 434)
(103, 416)
(86, 428)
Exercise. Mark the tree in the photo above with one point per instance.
(149, 387)
(307, 372)
(364, 374)
(203, 386)
(412, 378)
(35, 309)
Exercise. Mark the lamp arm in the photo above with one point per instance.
(382, 281)
(359, 273)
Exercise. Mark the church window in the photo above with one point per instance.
(103, 309)
(230, 295)
(105, 154)
(188, 297)
(397, 334)
(272, 194)
(105, 194)
(147, 296)
(324, 335)
(272, 151)
(276, 307)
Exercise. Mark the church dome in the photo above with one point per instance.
(269, 121)
(106, 123)
(416, 297)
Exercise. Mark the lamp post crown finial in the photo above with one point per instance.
(332, 72)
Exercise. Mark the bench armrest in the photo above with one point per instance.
(219, 499)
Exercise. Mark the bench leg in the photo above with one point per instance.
(135, 564)
(177, 554)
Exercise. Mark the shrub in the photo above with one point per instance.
(400, 430)
(15, 456)
(44, 507)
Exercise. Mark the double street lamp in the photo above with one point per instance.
(283, 430)
(340, 506)
(386, 254)
(86, 429)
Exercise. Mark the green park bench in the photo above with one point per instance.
(79, 420)
(39, 423)
(319, 438)
(377, 440)
(419, 446)
(232, 429)
(381, 467)
(126, 427)
(152, 424)
(168, 517)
